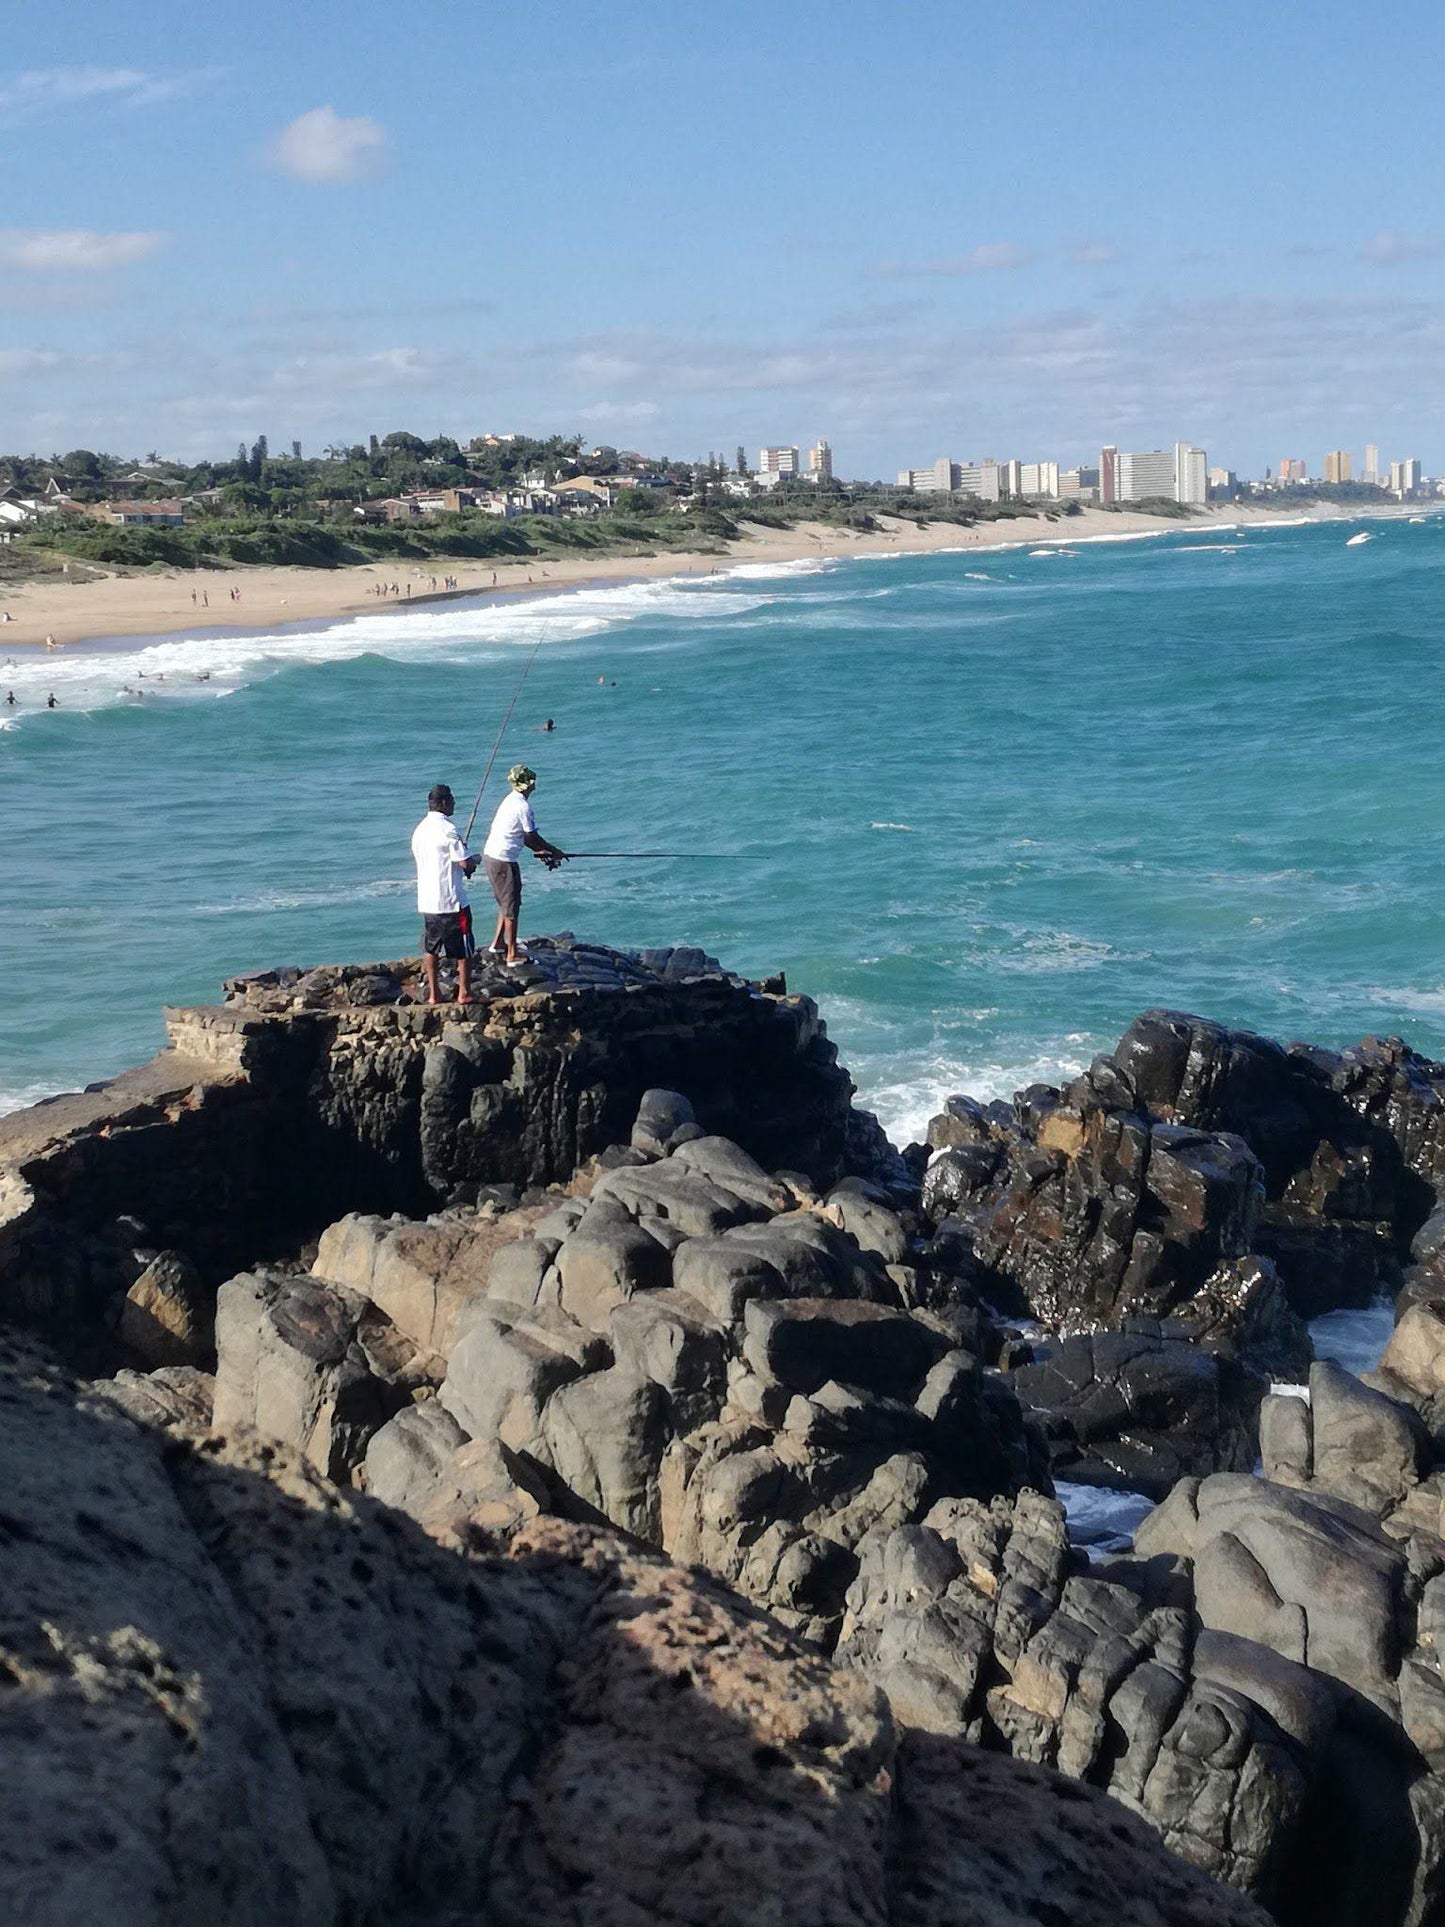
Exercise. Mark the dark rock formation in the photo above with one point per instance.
(306, 1095)
(236, 1693)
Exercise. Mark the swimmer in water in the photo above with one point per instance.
(10, 700)
(50, 702)
(548, 727)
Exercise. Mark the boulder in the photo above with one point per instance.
(406, 1459)
(722, 1275)
(1313, 1578)
(671, 1339)
(307, 1363)
(174, 1395)
(659, 1115)
(869, 1219)
(606, 1260)
(605, 1436)
(167, 1317)
(508, 1364)
(424, 1276)
(803, 1342)
(680, 1194)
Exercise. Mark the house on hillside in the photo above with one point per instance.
(140, 515)
(588, 494)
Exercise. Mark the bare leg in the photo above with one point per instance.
(499, 935)
(429, 966)
(509, 933)
(464, 980)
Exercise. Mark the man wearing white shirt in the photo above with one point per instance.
(443, 864)
(514, 829)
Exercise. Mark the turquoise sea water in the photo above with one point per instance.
(991, 805)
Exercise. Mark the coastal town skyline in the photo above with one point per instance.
(622, 219)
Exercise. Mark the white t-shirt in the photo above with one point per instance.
(506, 839)
(440, 854)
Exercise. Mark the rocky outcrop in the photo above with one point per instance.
(235, 1692)
(309, 1094)
(708, 1355)
(1191, 1149)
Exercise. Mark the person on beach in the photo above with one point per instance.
(443, 864)
(514, 828)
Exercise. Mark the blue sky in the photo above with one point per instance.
(916, 229)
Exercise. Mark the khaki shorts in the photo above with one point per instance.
(506, 882)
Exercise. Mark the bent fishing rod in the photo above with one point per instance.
(496, 746)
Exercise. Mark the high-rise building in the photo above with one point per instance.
(1039, 479)
(778, 461)
(983, 479)
(1338, 466)
(1405, 477)
(820, 462)
(1191, 473)
(1108, 474)
(1011, 478)
(937, 479)
(1291, 469)
(1145, 476)
(1372, 463)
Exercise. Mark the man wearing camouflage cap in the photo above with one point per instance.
(514, 828)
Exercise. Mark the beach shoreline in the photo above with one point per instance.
(156, 606)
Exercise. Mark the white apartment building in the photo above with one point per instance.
(1145, 475)
(778, 461)
(1405, 477)
(983, 479)
(1372, 463)
(820, 462)
(937, 479)
(1191, 474)
(1040, 478)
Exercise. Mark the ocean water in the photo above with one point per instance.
(984, 808)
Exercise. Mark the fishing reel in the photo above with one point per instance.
(554, 859)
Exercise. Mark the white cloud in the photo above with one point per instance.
(43, 90)
(1387, 249)
(25, 361)
(622, 413)
(988, 258)
(1096, 254)
(330, 372)
(74, 250)
(325, 150)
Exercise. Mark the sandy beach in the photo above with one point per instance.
(189, 602)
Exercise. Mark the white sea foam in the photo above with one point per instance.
(893, 826)
(1354, 1339)
(905, 1094)
(19, 1097)
(1100, 1521)
(171, 671)
(302, 899)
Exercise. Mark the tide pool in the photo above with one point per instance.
(983, 807)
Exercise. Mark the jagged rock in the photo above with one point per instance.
(1313, 1578)
(168, 1317)
(681, 1194)
(729, 1167)
(307, 1363)
(1139, 1409)
(423, 1276)
(174, 1395)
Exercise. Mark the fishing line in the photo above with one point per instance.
(496, 746)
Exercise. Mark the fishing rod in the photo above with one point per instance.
(496, 746)
(704, 856)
